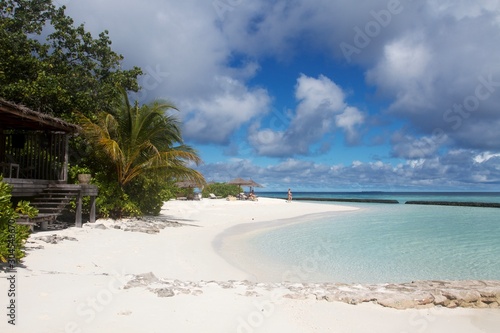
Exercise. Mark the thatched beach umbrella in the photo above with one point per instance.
(190, 185)
(243, 182)
(240, 182)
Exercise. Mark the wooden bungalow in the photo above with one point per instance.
(34, 160)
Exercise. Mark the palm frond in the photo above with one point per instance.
(138, 140)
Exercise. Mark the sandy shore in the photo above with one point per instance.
(111, 280)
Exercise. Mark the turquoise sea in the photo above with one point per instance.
(384, 243)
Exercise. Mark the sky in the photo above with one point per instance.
(317, 95)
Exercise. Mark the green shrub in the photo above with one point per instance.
(149, 193)
(144, 195)
(12, 235)
(221, 189)
(74, 171)
(112, 200)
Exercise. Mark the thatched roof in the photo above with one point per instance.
(14, 116)
(240, 181)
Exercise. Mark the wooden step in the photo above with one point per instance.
(40, 199)
(41, 219)
(49, 205)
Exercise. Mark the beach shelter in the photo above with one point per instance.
(240, 182)
(190, 185)
(243, 182)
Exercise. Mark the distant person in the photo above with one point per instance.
(289, 195)
(252, 196)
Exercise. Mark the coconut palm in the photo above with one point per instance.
(138, 140)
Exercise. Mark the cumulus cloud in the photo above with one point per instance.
(350, 120)
(214, 119)
(440, 80)
(186, 59)
(410, 147)
(321, 108)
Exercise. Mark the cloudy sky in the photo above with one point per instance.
(322, 94)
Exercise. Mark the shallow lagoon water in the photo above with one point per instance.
(382, 243)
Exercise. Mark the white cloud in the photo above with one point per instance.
(321, 109)
(461, 9)
(214, 119)
(317, 94)
(405, 67)
(484, 157)
(349, 120)
(409, 147)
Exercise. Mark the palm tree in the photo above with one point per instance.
(141, 140)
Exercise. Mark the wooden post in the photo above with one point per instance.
(92, 209)
(78, 217)
(64, 171)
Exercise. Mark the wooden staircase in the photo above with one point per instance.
(50, 203)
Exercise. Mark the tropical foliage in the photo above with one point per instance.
(221, 189)
(139, 147)
(12, 235)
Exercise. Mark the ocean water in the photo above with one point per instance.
(389, 243)
(402, 197)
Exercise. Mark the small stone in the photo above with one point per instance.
(426, 300)
(397, 303)
(439, 299)
(197, 292)
(331, 298)
(481, 305)
(141, 280)
(467, 296)
(164, 292)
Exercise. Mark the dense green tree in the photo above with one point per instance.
(50, 65)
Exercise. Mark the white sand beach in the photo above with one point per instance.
(111, 280)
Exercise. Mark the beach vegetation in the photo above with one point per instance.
(138, 152)
(12, 235)
(221, 190)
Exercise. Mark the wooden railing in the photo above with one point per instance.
(35, 155)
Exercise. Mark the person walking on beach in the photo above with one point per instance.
(289, 195)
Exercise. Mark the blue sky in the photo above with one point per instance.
(322, 95)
